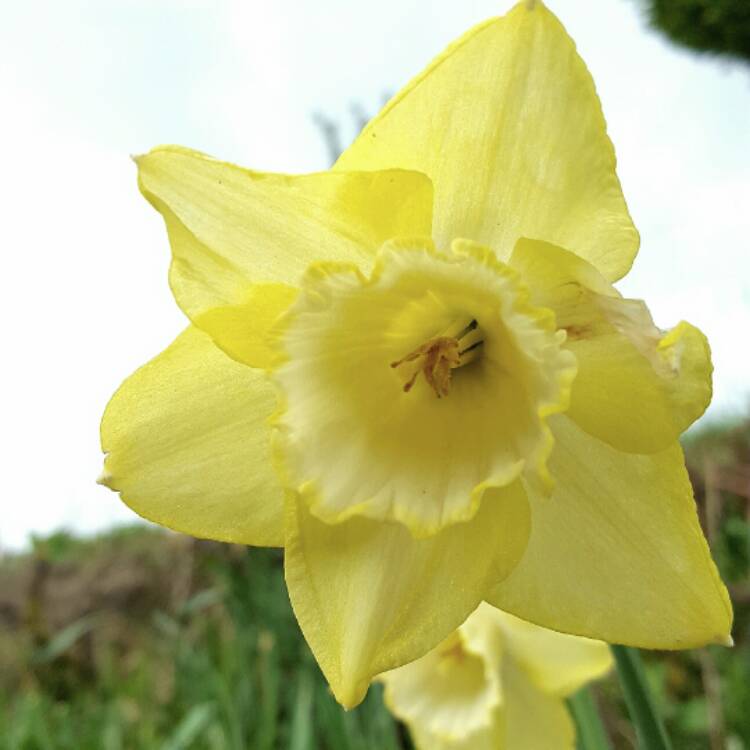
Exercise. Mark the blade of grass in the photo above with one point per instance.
(302, 726)
(63, 640)
(191, 727)
(640, 703)
(590, 730)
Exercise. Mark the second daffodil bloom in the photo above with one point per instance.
(413, 372)
(497, 683)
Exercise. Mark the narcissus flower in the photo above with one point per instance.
(496, 682)
(414, 373)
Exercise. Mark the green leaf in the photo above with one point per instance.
(191, 727)
(643, 714)
(302, 726)
(64, 639)
(590, 730)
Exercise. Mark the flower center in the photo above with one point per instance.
(459, 321)
(436, 359)
(452, 650)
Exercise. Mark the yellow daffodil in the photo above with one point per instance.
(414, 373)
(496, 683)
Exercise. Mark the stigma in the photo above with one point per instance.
(436, 359)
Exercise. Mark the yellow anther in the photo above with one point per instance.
(438, 357)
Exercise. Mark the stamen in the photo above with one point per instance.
(455, 652)
(451, 652)
(457, 346)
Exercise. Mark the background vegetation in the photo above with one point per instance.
(720, 27)
(143, 639)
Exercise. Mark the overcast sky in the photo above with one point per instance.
(85, 83)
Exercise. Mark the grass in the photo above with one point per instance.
(139, 639)
(223, 668)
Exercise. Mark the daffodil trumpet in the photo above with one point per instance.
(414, 373)
(496, 682)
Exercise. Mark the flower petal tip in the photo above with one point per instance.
(351, 694)
(725, 640)
(105, 479)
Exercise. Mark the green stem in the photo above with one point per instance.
(591, 732)
(648, 726)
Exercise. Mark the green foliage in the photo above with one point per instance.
(637, 693)
(224, 669)
(716, 26)
(590, 731)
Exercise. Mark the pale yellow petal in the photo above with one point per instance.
(483, 635)
(230, 228)
(507, 124)
(637, 387)
(370, 598)
(243, 331)
(556, 663)
(639, 401)
(617, 552)
(686, 349)
(534, 720)
(188, 446)
(451, 692)
(491, 738)
(528, 720)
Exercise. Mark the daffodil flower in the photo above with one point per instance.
(496, 682)
(413, 372)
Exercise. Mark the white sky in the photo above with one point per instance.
(84, 83)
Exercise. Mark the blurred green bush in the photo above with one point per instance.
(717, 26)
